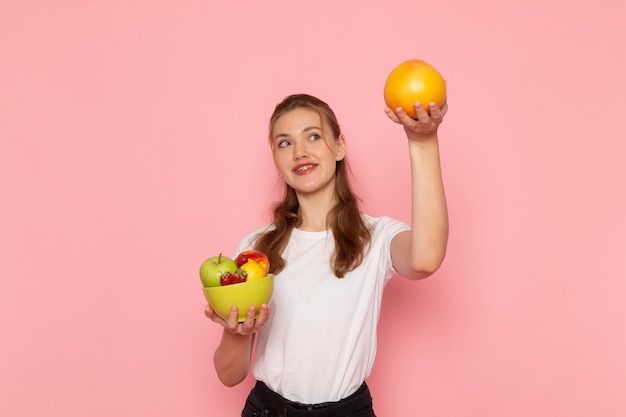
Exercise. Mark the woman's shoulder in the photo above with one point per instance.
(261, 229)
(384, 225)
(247, 242)
(383, 221)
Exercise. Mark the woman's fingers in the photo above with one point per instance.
(247, 326)
(251, 324)
(232, 321)
(393, 116)
(264, 315)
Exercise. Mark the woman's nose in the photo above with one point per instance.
(300, 151)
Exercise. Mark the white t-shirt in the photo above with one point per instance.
(320, 341)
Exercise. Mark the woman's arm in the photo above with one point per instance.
(233, 356)
(419, 252)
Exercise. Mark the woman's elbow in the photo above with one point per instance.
(229, 372)
(230, 379)
(230, 382)
(426, 267)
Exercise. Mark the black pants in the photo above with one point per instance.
(263, 402)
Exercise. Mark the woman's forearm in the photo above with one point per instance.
(232, 357)
(429, 213)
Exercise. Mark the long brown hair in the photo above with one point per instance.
(351, 234)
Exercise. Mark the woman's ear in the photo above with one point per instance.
(340, 143)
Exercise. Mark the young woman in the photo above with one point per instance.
(317, 347)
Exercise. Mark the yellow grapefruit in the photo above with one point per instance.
(414, 81)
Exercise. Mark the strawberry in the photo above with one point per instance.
(239, 276)
(227, 278)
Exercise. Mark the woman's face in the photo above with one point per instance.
(305, 151)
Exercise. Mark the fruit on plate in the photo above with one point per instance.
(414, 81)
(213, 269)
(221, 270)
(254, 255)
(228, 284)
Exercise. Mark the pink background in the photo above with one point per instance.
(133, 147)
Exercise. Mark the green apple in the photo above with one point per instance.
(213, 268)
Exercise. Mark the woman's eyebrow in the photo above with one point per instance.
(306, 129)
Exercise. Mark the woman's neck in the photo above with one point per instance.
(313, 211)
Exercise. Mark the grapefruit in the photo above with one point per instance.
(414, 81)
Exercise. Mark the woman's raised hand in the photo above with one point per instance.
(426, 124)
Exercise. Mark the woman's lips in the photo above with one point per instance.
(304, 169)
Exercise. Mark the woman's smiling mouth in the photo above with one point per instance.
(304, 168)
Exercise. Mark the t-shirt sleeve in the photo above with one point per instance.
(386, 229)
(247, 242)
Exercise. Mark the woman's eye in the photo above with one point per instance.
(283, 143)
(314, 137)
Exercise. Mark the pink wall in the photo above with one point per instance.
(133, 147)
